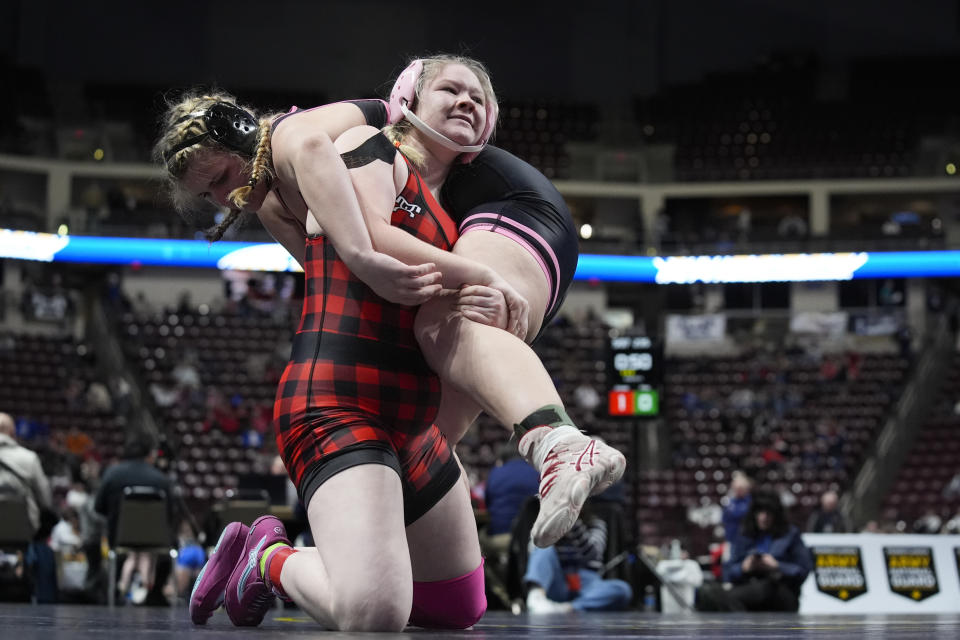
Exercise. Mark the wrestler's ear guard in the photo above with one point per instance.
(233, 127)
(403, 94)
(228, 124)
(404, 91)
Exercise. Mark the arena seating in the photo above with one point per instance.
(538, 132)
(802, 435)
(208, 461)
(931, 463)
(36, 370)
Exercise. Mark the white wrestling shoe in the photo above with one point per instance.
(572, 467)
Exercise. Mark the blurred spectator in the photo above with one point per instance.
(190, 559)
(185, 304)
(929, 522)
(952, 526)
(66, 540)
(77, 442)
(114, 295)
(92, 527)
(185, 373)
(164, 395)
(221, 412)
(260, 298)
(952, 490)
(586, 397)
(22, 474)
(854, 364)
(567, 575)
(767, 565)
(738, 503)
(120, 391)
(509, 484)
(828, 518)
(98, 398)
(775, 452)
(904, 337)
(742, 399)
(73, 393)
(829, 370)
(872, 526)
(137, 468)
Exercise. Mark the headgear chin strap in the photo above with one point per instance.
(405, 91)
(226, 123)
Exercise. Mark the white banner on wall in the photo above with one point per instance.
(701, 328)
(819, 322)
(877, 573)
(876, 325)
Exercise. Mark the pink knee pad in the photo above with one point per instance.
(450, 604)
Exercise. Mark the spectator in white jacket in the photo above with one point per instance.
(21, 472)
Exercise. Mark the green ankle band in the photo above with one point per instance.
(266, 554)
(551, 415)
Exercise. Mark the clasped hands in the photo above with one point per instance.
(495, 303)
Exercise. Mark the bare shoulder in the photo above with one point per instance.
(331, 119)
(328, 121)
(354, 137)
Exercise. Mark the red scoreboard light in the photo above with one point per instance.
(621, 403)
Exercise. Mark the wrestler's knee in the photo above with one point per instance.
(373, 609)
(450, 604)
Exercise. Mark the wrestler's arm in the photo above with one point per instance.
(304, 155)
(283, 227)
(376, 185)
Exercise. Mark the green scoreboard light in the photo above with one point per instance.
(635, 373)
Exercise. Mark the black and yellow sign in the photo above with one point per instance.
(839, 571)
(911, 572)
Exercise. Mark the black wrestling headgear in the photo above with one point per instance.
(228, 124)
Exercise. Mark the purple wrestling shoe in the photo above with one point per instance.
(247, 597)
(208, 590)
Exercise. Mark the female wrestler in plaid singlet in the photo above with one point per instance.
(395, 534)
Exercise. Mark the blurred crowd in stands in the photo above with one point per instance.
(786, 418)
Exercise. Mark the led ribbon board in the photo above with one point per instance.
(252, 256)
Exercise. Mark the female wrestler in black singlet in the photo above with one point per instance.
(520, 228)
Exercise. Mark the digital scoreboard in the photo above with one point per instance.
(635, 374)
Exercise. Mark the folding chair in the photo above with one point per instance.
(16, 530)
(143, 525)
(16, 533)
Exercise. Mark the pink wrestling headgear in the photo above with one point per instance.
(405, 91)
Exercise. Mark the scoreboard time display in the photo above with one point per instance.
(635, 373)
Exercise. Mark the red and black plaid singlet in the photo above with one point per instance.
(355, 354)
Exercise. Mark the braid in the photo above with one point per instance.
(260, 168)
(179, 125)
(397, 133)
(217, 232)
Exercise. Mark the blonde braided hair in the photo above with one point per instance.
(184, 120)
